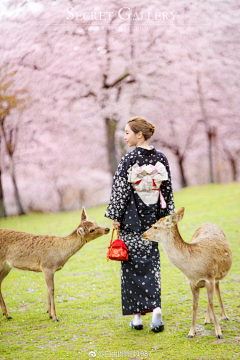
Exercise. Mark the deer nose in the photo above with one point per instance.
(107, 230)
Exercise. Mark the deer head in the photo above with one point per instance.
(163, 226)
(90, 230)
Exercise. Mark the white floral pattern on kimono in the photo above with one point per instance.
(140, 276)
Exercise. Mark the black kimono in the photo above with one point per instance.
(140, 276)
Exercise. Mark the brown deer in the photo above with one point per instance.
(204, 261)
(44, 253)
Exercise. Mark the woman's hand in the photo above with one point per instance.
(116, 225)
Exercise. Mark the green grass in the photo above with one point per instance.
(88, 300)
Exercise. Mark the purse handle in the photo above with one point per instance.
(112, 235)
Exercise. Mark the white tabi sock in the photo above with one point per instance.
(137, 320)
(157, 316)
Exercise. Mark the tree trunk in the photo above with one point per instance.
(234, 168)
(182, 172)
(17, 197)
(233, 163)
(2, 207)
(210, 138)
(217, 165)
(207, 126)
(60, 193)
(122, 147)
(111, 126)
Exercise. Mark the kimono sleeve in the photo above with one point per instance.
(166, 190)
(121, 193)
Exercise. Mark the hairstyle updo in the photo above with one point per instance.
(138, 124)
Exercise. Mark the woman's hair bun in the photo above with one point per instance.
(138, 124)
(152, 128)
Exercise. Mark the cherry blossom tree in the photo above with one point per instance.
(86, 77)
(9, 102)
(2, 206)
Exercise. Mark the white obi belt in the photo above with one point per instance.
(146, 181)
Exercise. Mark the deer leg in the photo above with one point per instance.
(223, 312)
(3, 273)
(195, 293)
(49, 278)
(210, 293)
(208, 318)
(49, 304)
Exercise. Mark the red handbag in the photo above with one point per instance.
(117, 250)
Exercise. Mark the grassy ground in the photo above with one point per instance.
(88, 301)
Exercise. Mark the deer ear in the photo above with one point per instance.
(80, 231)
(168, 222)
(83, 214)
(180, 213)
(171, 220)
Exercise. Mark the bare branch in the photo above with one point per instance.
(107, 86)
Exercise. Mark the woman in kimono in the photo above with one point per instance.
(135, 205)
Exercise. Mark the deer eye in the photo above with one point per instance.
(155, 227)
(91, 231)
